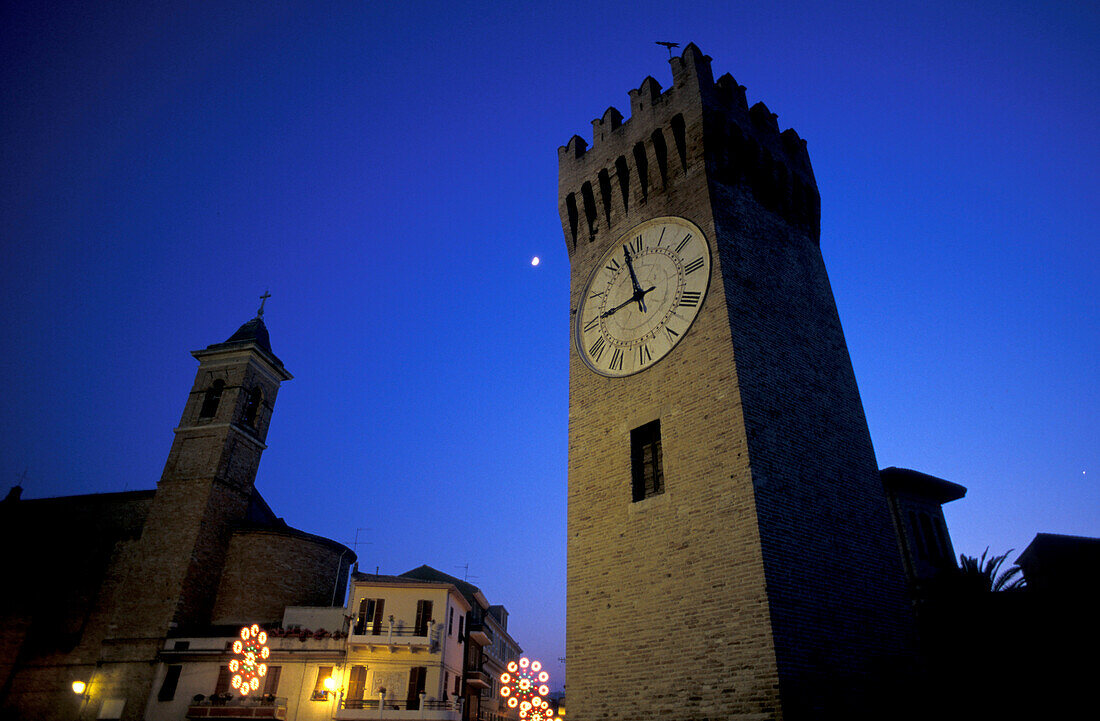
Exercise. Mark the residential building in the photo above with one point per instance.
(495, 657)
(405, 649)
(485, 646)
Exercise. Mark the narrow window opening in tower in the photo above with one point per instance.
(605, 194)
(798, 201)
(930, 538)
(660, 150)
(642, 164)
(679, 136)
(764, 184)
(571, 210)
(783, 187)
(739, 157)
(752, 165)
(941, 536)
(211, 400)
(589, 207)
(252, 406)
(922, 550)
(645, 461)
(622, 172)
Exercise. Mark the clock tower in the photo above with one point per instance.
(730, 549)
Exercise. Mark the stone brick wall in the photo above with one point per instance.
(764, 582)
(268, 570)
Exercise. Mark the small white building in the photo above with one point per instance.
(193, 679)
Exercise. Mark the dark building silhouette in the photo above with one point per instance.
(104, 579)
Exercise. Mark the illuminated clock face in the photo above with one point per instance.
(643, 296)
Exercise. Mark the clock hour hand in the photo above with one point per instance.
(620, 306)
(638, 296)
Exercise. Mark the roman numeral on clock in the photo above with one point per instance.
(693, 266)
(690, 298)
(643, 355)
(613, 266)
(617, 360)
(672, 335)
(683, 242)
(591, 324)
(636, 245)
(596, 349)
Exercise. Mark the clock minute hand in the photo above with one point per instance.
(639, 294)
(630, 267)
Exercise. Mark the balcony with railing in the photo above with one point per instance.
(232, 707)
(478, 679)
(395, 635)
(480, 633)
(398, 709)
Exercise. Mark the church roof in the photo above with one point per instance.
(253, 333)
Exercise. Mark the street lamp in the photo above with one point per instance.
(79, 687)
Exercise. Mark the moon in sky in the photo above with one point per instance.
(535, 260)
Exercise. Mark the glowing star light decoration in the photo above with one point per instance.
(247, 666)
(523, 686)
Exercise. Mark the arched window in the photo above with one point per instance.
(571, 209)
(589, 207)
(252, 406)
(679, 136)
(643, 169)
(623, 174)
(660, 150)
(605, 194)
(211, 400)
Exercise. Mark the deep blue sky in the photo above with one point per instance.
(388, 171)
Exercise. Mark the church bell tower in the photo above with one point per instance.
(730, 549)
(206, 486)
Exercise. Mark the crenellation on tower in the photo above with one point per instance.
(692, 70)
(576, 148)
(765, 121)
(629, 162)
(730, 94)
(644, 96)
(610, 121)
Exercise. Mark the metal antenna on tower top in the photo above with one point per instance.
(669, 46)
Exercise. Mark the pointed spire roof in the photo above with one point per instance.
(252, 333)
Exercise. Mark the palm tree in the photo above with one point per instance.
(984, 575)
